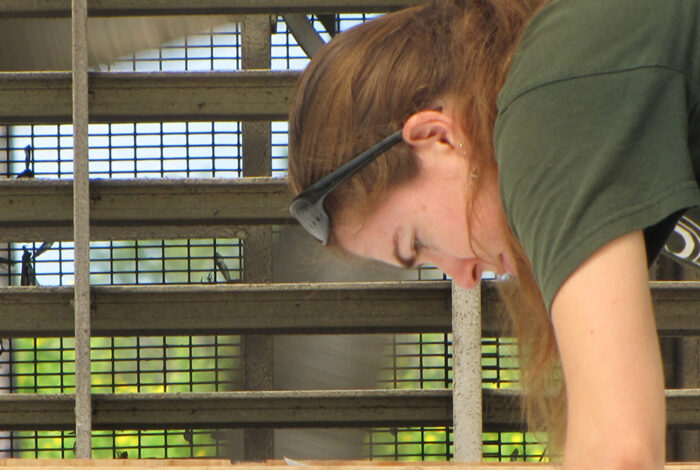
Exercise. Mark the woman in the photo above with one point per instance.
(555, 141)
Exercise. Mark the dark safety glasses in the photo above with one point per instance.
(307, 207)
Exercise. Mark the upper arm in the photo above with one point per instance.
(607, 339)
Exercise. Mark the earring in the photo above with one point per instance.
(474, 175)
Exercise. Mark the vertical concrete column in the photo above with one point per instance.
(4, 170)
(681, 365)
(666, 269)
(466, 353)
(257, 246)
(4, 281)
(687, 368)
(81, 232)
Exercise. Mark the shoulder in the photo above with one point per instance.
(583, 161)
(575, 38)
(592, 138)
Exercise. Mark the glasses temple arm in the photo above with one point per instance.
(327, 184)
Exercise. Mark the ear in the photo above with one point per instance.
(427, 128)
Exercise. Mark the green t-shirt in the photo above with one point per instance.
(598, 132)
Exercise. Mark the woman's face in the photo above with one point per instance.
(425, 221)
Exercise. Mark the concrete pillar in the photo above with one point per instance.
(81, 232)
(467, 395)
(681, 365)
(257, 246)
(5, 358)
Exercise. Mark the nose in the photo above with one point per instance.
(465, 273)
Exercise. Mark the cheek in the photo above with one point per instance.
(450, 232)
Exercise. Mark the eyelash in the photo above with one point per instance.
(417, 246)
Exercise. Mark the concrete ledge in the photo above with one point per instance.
(232, 309)
(209, 464)
(286, 409)
(61, 8)
(143, 208)
(45, 97)
(233, 409)
(376, 307)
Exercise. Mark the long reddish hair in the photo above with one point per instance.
(368, 81)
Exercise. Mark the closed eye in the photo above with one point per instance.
(405, 262)
(418, 246)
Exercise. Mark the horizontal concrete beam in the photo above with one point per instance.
(399, 465)
(233, 409)
(677, 307)
(36, 210)
(198, 464)
(284, 409)
(61, 8)
(45, 97)
(413, 307)
(209, 464)
(232, 309)
(683, 408)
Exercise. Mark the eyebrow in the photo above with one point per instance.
(405, 262)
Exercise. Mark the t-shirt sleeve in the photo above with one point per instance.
(584, 160)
